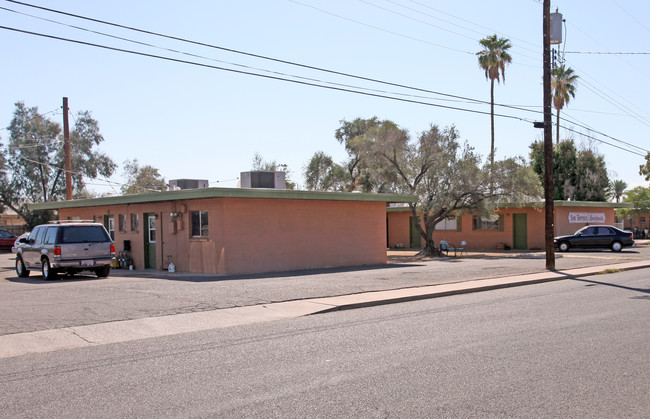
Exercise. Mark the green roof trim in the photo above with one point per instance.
(203, 193)
(581, 204)
(540, 204)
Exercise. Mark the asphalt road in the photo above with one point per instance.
(31, 304)
(572, 348)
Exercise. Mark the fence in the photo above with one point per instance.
(15, 230)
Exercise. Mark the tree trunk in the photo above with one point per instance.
(492, 124)
(430, 249)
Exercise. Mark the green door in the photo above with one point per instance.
(520, 231)
(150, 236)
(415, 237)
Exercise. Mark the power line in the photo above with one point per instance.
(454, 24)
(607, 53)
(412, 38)
(246, 54)
(254, 74)
(262, 57)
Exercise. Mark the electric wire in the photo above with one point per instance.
(235, 64)
(255, 74)
(258, 56)
(459, 26)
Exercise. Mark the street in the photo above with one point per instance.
(572, 348)
(31, 304)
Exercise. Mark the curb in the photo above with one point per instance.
(151, 327)
(377, 298)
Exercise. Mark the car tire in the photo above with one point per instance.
(564, 246)
(617, 246)
(103, 272)
(47, 271)
(21, 269)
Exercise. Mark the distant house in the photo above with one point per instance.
(639, 224)
(516, 226)
(11, 221)
(238, 231)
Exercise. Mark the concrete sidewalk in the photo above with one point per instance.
(17, 344)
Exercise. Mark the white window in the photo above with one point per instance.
(448, 223)
(152, 228)
(486, 223)
(199, 223)
(111, 227)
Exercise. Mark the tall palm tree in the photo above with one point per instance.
(563, 83)
(493, 60)
(617, 189)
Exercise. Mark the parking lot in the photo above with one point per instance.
(30, 304)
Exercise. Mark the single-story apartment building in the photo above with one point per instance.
(241, 231)
(516, 226)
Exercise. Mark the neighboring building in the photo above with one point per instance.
(12, 222)
(238, 231)
(516, 226)
(639, 224)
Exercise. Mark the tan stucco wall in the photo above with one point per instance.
(251, 235)
(398, 227)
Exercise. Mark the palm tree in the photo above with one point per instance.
(493, 60)
(617, 189)
(563, 83)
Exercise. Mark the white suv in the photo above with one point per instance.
(65, 247)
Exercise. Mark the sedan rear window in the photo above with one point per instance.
(86, 234)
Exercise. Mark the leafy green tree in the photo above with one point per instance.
(322, 174)
(639, 197)
(591, 175)
(446, 177)
(644, 169)
(351, 135)
(577, 175)
(259, 164)
(493, 59)
(563, 83)
(617, 189)
(34, 155)
(141, 179)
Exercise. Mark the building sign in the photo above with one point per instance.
(587, 217)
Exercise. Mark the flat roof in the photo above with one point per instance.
(203, 193)
(541, 204)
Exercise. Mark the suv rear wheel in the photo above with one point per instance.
(103, 272)
(21, 270)
(47, 271)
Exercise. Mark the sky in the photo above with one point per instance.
(201, 121)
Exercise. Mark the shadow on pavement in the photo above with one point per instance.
(609, 284)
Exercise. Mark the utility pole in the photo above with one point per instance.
(549, 231)
(66, 149)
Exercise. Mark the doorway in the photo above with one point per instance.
(414, 237)
(150, 237)
(520, 231)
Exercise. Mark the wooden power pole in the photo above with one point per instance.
(549, 231)
(66, 149)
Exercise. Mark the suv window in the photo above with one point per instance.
(84, 234)
(40, 235)
(33, 234)
(50, 235)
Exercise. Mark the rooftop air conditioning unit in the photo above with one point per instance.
(263, 179)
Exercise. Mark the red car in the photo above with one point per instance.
(6, 240)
